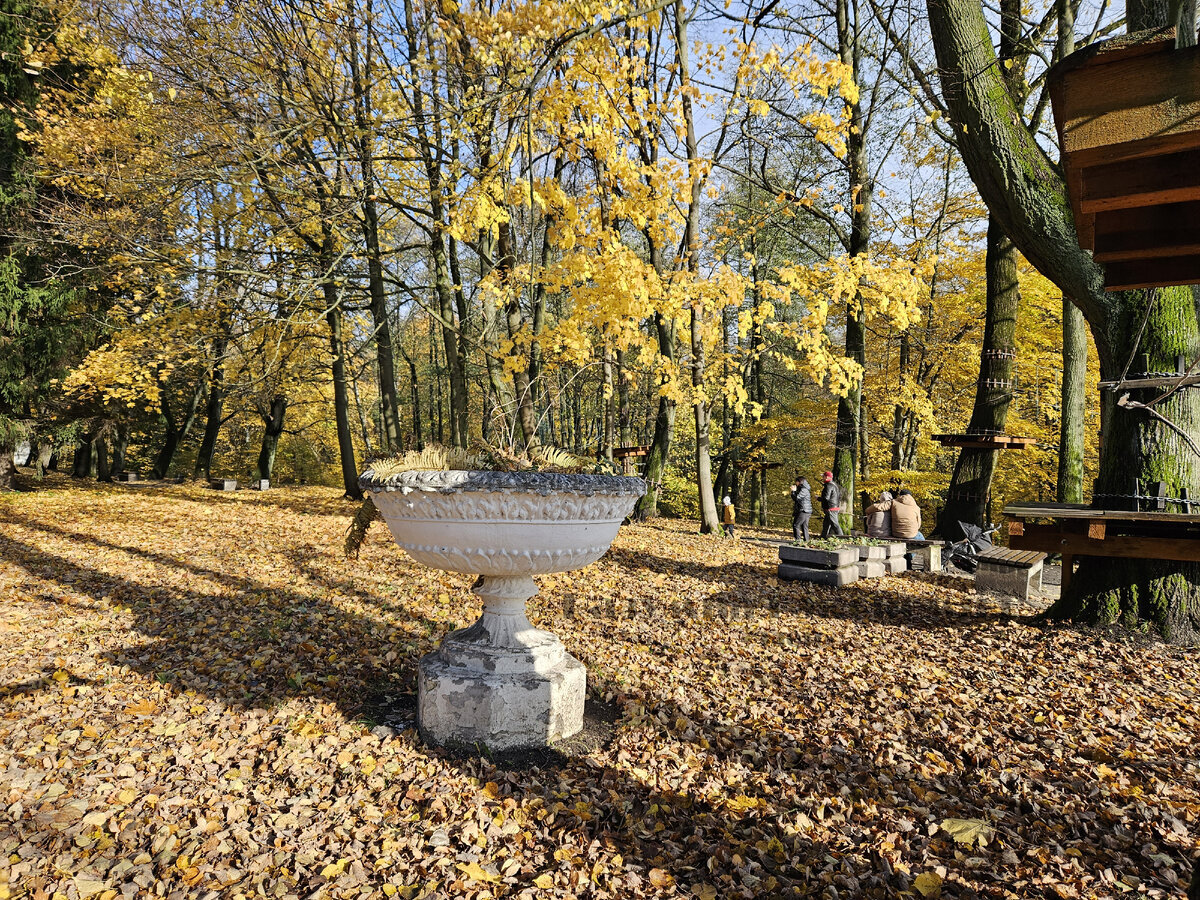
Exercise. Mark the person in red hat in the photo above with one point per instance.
(831, 503)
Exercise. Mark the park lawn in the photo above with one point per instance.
(192, 686)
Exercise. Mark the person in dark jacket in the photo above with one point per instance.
(831, 504)
(801, 508)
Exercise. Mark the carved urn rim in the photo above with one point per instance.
(456, 481)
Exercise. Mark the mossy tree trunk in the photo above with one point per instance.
(1070, 428)
(1026, 192)
(1138, 449)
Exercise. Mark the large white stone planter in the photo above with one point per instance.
(501, 682)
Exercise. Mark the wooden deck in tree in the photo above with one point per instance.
(1076, 530)
(985, 441)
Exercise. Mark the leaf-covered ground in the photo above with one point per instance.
(191, 687)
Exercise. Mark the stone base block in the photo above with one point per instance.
(225, 484)
(898, 548)
(501, 711)
(865, 552)
(896, 564)
(926, 556)
(872, 568)
(261, 484)
(818, 559)
(832, 577)
(127, 477)
(1012, 581)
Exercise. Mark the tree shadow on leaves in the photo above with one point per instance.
(248, 643)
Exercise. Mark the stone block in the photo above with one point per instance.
(1011, 581)
(127, 477)
(830, 577)
(865, 552)
(896, 548)
(261, 484)
(513, 707)
(896, 565)
(871, 568)
(926, 556)
(225, 484)
(818, 559)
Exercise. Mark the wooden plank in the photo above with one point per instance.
(1097, 530)
(1166, 272)
(1119, 547)
(1165, 381)
(1169, 178)
(1132, 99)
(1068, 511)
(1170, 229)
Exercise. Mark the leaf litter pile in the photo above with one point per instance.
(190, 690)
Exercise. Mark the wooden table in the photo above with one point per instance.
(1077, 530)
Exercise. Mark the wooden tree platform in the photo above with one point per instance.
(985, 441)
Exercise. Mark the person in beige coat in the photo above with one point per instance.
(906, 517)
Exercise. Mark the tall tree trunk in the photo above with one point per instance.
(846, 445)
(971, 483)
(608, 399)
(1070, 428)
(664, 428)
(361, 75)
(337, 350)
(624, 420)
(709, 522)
(272, 417)
(415, 392)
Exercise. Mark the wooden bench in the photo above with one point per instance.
(1012, 572)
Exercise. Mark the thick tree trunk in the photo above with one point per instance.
(1138, 449)
(175, 435)
(1070, 428)
(212, 423)
(81, 466)
(8, 472)
(272, 429)
(100, 458)
(971, 483)
(120, 447)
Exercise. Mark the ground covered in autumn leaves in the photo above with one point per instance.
(200, 698)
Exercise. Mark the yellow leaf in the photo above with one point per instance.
(545, 882)
(333, 870)
(929, 884)
(476, 872)
(967, 831)
(661, 879)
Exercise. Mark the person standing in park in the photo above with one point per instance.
(831, 504)
(801, 508)
(727, 516)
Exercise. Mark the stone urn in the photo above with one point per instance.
(501, 682)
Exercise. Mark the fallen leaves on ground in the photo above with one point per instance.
(189, 689)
